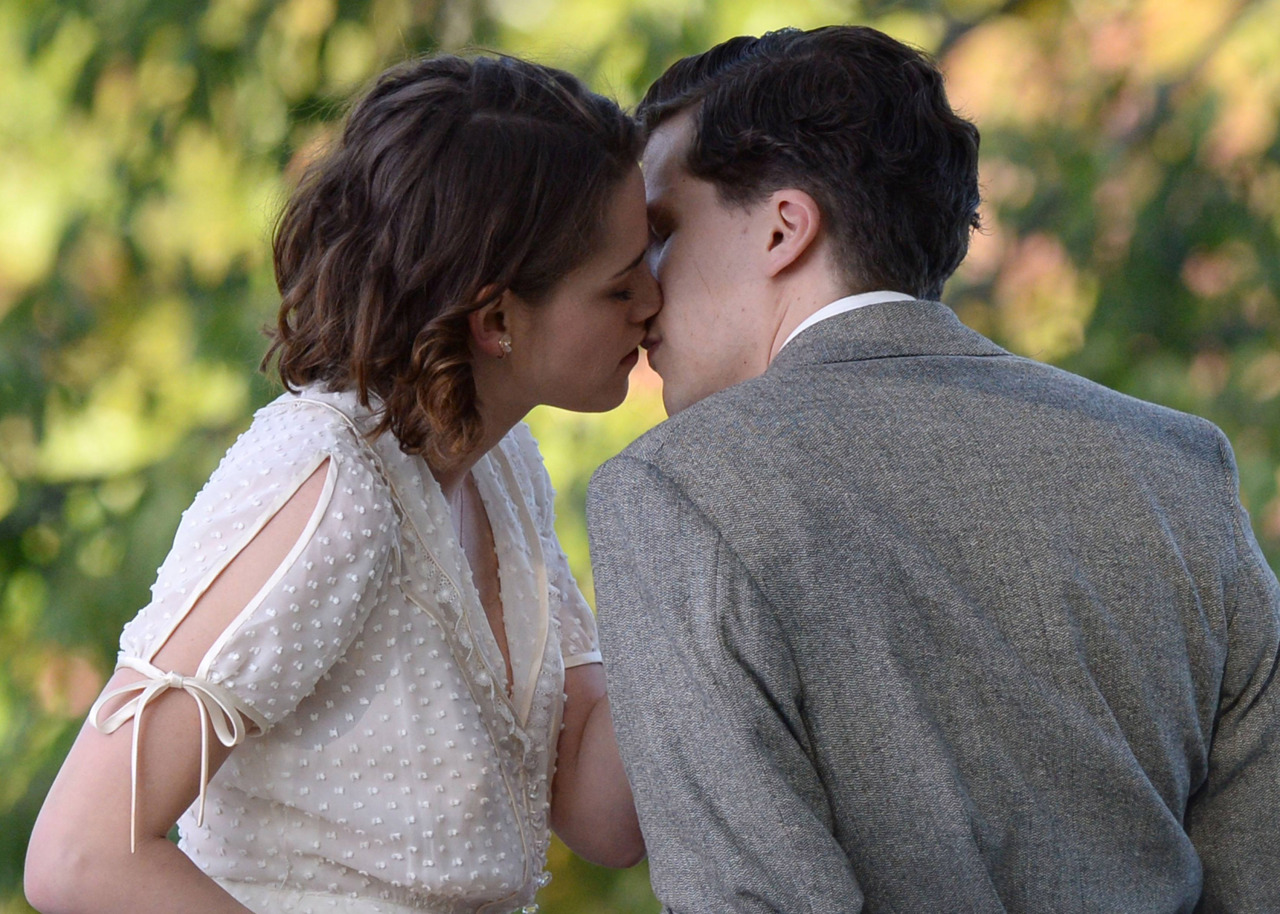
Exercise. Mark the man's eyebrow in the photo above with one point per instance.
(631, 266)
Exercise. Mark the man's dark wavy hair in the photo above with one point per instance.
(855, 119)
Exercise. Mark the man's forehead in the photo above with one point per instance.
(667, 146)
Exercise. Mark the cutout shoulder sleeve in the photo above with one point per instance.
(309, 609)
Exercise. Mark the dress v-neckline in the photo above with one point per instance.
(430, 521)
(484, 538)
(525, 616)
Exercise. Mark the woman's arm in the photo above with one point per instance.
(79, 858)
(591, 806)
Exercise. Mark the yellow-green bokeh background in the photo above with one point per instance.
(1131, 174)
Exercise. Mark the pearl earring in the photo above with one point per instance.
(505, 345)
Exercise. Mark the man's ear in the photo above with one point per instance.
(489, 325)
(796, 223)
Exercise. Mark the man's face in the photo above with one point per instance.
(715, 327)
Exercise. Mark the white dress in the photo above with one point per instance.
(391, 770)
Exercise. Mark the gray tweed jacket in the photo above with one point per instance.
(911, 624)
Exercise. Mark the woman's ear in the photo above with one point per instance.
(796, 223)
(490, 330)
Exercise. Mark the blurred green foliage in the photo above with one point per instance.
(1131, 170)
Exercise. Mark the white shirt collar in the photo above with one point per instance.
(840, 306)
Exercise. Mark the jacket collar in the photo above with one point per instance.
(886, 330)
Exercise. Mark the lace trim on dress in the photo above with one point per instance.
(219, 710)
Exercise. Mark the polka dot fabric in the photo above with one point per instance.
(399, 770)
(304, 618)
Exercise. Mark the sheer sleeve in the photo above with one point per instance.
(578, 641)
(308, 610)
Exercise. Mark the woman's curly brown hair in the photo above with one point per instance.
(454, 179)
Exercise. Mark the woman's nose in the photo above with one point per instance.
(648, 299)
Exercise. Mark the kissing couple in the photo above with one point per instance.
(893, 619)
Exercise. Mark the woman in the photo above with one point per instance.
(367, 605)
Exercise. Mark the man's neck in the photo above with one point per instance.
(841, 306)
(798, 304)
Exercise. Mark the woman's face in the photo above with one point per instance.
(576, 349)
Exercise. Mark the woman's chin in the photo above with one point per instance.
(600, 400)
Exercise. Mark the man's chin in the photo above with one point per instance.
(677, 397)
(680, 390)
(672, 401)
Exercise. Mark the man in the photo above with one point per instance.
(895, 620)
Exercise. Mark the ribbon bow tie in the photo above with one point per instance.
(226, 715)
